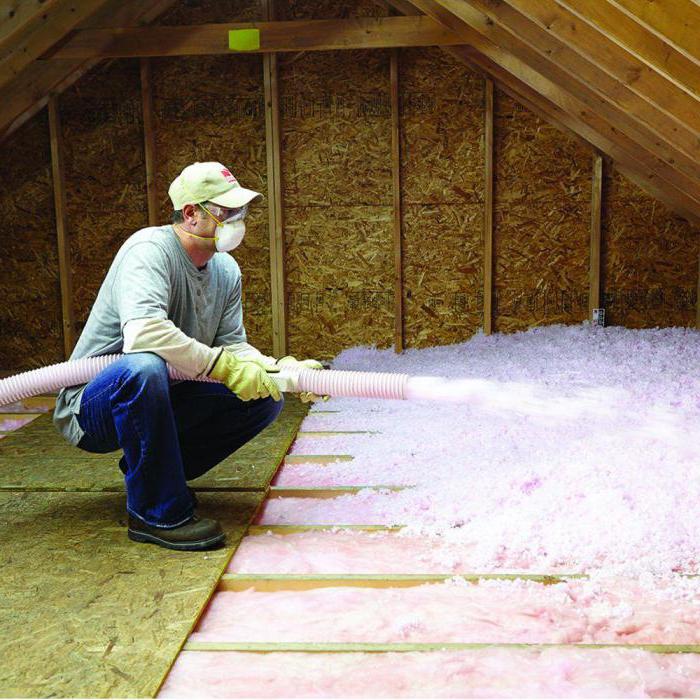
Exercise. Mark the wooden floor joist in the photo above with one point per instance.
(265, 583)
(325, 491)
(366, 647)
(332, 433)
(296, 529)
(317, 459)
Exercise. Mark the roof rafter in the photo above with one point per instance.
(32, 87)
(584, 108)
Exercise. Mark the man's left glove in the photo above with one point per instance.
(290, 361)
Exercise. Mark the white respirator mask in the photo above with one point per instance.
(229, 232)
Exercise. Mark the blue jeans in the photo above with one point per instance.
(169, 433)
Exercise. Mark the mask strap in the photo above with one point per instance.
(204, 238)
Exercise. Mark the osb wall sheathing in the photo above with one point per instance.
(337, 189)
(210, 11)
(542, 205)
(650, 259)
(104, 173)
(211, 108)
(442, 186)
(30, 316)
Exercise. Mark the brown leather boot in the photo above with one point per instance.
(195, 534)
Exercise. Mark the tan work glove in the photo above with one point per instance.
(291, 361)
(248, 379)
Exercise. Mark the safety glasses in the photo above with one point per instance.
(225, 216)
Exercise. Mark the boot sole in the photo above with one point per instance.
(196, 545)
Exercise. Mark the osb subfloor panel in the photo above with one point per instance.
(36, 457)
(86, 612)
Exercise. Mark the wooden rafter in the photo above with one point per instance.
(34, 28)
(653, 97)
(678, 21)
(583, 111)
(31, 88)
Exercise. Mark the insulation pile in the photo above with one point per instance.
(579, 456)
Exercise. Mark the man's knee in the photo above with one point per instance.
(146, 365)
(270, 409)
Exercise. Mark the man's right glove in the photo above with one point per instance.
(248, 379)
(291, 361)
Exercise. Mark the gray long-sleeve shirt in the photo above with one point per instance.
(152, 276)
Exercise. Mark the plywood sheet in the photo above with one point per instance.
(220, 116)
(650, 259)
(336, 163)
(36, 457)
(88, 613)
(328, 9)
(442, 183)
(210, 11)
(542, 194)
(30, 315)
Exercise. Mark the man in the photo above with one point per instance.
(169, 297)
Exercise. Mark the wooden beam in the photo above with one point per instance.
(17, 17)
(59, 197)
(254, 530)
(396, 191)
(488, 207)
(678, 21)
(400, 647)
(273, 140)
(572, 120)
(664, 105)
(604, 134)
(31, 89)
(149, 144)
(48, 23)
(269, 583)
(297, 35)
(316, 459)
(595, 249)
(334, 433)
(326, 491)
(514, 35)
(639, 40)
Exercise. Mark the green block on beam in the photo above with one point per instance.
(243, 39)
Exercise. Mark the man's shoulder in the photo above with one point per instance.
(152, 240)
(227, 263)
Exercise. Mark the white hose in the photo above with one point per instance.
(380, 385)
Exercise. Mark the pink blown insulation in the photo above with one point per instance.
(577, 451)
(482, 673)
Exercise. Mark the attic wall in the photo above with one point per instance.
(650, 259)
(212, 108)
(542, 203)
(104, 173)
(337, 186)
(336, 174)
(31, 332)
(442, 185)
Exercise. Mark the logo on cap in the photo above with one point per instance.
(228, 176)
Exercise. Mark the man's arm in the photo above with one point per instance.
(164, 338)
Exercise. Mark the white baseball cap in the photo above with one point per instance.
(209, 182)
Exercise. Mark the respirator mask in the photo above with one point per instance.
(230, 230)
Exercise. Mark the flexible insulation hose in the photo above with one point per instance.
(381, 385)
